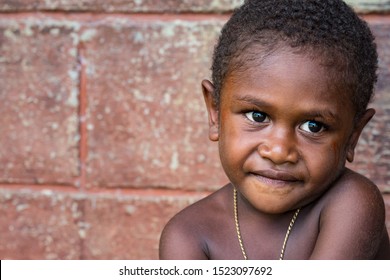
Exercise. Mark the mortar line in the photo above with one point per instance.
(83, 144)
(124, 191)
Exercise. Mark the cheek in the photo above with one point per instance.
(234, 149)
(230, 159)
(329, 163)
(230, 148)
(334, 152)
(339, 147)
(226, 146)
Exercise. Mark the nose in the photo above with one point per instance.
(279, 147)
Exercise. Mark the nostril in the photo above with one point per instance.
(279, 152)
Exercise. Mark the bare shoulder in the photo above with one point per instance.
(352, 189)
(352, 220)
(185, 235)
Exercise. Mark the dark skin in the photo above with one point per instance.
(284, 136)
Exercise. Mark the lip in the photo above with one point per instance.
(275, 177)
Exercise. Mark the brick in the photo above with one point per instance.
(380, 29)
(219, 6)
(364, 6)
(60, 225)
(39, 101)
(146, 116)
(122, 6)
(128, 227)
(39, 225)
(373, 157)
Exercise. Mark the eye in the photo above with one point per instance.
(312, 127)
(256, 116)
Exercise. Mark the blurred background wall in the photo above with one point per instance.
(103, 132)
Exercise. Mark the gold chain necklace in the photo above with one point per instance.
(239, 232)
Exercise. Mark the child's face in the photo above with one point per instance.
(283, 135)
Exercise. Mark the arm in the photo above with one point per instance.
(352, 223)
(179, 242)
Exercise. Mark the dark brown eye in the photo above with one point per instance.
(256, 116)
(312, 126)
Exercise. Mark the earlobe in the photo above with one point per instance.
(351, 154)
(212, 109)
(356, 133)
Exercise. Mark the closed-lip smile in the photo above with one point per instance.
(275, 177)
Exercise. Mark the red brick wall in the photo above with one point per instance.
(103, 132)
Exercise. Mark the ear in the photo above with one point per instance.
(356, 133)
(212, 109)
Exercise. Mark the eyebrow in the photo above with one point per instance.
(253, 101)
(317, 113)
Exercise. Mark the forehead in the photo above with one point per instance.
(292, 73)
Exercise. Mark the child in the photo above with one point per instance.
(291, 84)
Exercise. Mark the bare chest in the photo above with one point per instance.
(258, 242)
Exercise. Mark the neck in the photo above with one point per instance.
(257, 216)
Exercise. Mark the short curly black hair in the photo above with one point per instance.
(329, 29)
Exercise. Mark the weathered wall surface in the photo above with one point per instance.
(103, 132)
